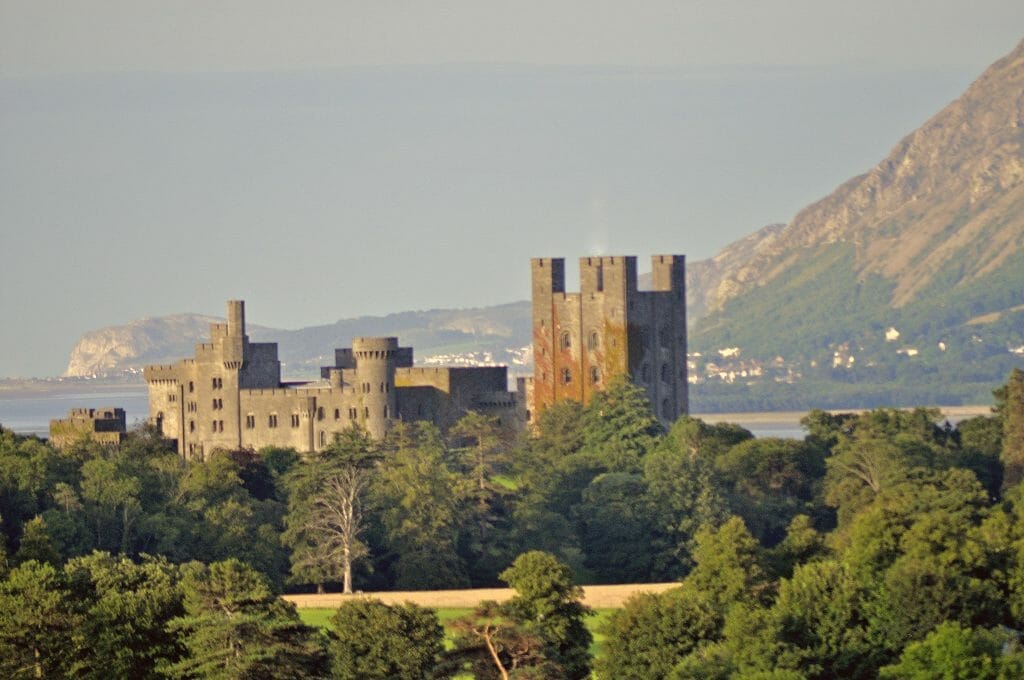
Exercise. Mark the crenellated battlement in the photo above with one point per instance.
(230, 394)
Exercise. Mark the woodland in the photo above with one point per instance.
(885, 544)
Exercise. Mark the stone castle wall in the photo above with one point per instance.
(230, 394)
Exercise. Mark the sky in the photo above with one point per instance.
(327, 160)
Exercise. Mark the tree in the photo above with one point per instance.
(1011, 407)
(37, 620)
(420, 503)
(683, 487)
(617, 527)
(548, 604)
(375, 641)
(484, 444)
(325, 509)
(494, 644)
(820, 615)
(652, 633)
(619, 427)
(126, 610)
(114, 500)
(234, 627)
(480, 444)
(952, 652)
(769, 481)
(36, 544)
(886, 445)
(728, 566)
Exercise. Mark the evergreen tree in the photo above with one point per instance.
(37, 621)
(235, 627)
(127, 606)
(374, 641)
(547, 604)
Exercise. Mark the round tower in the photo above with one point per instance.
(375, 382)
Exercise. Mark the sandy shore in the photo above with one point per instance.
(953, 413)
(598, 597)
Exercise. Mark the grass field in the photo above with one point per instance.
(320, 619)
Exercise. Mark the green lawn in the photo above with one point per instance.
(320, 617)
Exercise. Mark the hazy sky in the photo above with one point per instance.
(333, 159)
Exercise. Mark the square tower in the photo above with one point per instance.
(581, 341)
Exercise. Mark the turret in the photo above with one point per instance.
(376, 359)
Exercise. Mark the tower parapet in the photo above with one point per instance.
(582, 340)
(376, 360)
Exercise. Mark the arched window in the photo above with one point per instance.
(191, 426)
(595, 375)
(592, 341)
(666, 373)
(566, 341)
(566, 376)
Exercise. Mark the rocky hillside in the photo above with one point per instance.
(950, 194)
(905, 283)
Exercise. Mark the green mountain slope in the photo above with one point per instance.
(905, 284)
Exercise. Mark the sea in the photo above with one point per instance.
(30, 411)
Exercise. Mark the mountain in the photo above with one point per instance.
(909, 275)
(904, 286)
(486, 335)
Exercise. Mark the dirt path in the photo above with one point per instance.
(598, 597)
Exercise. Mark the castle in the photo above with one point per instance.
(230, 395)
(582, 340)
(103, 425)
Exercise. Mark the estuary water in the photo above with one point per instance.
(30, 411)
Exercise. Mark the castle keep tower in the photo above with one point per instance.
(582, 340)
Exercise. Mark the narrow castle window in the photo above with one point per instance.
(666, 374)
(352, 413)
(191, 386)
(220, 425)
(323, 438)
(250, 421)
(214, 426)
(382, 388)
(592, 341)
(337, 414)
(566, 341)
(366, 411)
(191, 426)
(385, 411)
(295, 420)
(320, 413)
(272, 420)
(566, 376)
(595, 375)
